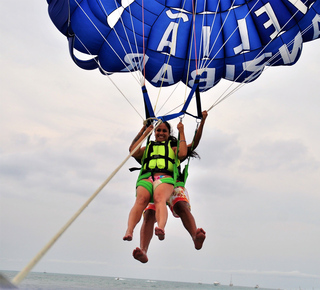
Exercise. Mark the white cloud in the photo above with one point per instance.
(64, 130)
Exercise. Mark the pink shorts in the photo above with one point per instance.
(179, 194)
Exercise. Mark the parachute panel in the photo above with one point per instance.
(227, 39)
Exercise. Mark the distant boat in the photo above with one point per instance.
(216, 283)
(257, 286)
(231, 284)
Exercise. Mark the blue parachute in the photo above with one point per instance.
(187, 40)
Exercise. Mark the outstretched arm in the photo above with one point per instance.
(137, 137)
(143, 133)
(183, 149)
(199, 131)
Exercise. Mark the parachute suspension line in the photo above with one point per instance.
(148, 107)
(219, 33)
(171, 94)
(174, 40)
(101, 69)
(105, 38)
(133, 62)
(195, 87)
(233, 32)
(190, 96)
(192, 41)
(24, 272)
(201, 35)
(208, 43)
(225, 95)
(110, 79)
(259, 54)
(189, 65)
(137, 63)
(194, 33)
(141, 66)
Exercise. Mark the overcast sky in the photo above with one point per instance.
(256, 189)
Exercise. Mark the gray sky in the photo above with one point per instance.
(64, 130)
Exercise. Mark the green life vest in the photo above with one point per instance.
(159, 157)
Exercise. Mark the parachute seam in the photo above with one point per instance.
(100, 33)
(167, 63)
(221, 98)
(110, 78)
(134, 63)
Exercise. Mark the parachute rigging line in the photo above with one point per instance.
(200, 17)
(91, 64)
(106, 41)
(174, 40)
(266, 66)
(111, 80)
(127, 4)
(220, 31)
(186, 104)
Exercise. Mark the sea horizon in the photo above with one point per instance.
(46, 280)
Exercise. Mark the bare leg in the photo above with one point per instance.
(161, 195)
(198, 235)
(146, 233)
(140, 204)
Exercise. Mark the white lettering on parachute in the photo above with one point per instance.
(243, 30)
(273, 21)
(134, 61)
(164, 75)
(316, 26)
(171, 32)
(299, 5)
(207, 78)
(252, 68)
(290, 57)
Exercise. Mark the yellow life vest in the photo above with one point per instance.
(159, 157)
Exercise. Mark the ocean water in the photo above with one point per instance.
(66, 281)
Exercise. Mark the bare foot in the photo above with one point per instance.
(199, 238)
(160, 233)
(140, 255)
(127, 237)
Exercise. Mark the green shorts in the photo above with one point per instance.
(151, 183)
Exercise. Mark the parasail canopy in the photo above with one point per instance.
(177, 40)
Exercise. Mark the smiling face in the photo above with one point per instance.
(162, 133)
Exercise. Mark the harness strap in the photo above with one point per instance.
(194, 89)
(147, 105)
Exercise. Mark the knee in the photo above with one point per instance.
(181, 207)
(150, 216)
(159, 200)
(142, 200)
